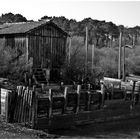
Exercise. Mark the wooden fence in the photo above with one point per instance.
(34, 106)
(33, 103)
(24, 109)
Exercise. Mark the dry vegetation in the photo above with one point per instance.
(105, 62)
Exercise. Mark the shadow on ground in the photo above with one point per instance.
(128, 128)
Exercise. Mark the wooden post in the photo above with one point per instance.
(51, 101)
(30, 82)
(88, 100)
(65, 99)
(133, 90)
(119, 61)
(69, 51)
(123, 63)
(42, 87)
(30, 107)
(22, 97)
(103, 93)
(6, 106)
(27, 49)
(112, 91)
(89, 86)
(86, 49)
(78, 98)
(27, 105)
(34, 108)
(34, 86)
(22, 109)
(26, 78)
(93, 53)
(133, 40)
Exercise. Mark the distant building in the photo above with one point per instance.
(42, 43)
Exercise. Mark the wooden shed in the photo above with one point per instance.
(42, 43)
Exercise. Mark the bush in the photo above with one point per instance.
(11, 66)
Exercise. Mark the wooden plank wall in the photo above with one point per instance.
(47, 47)
(16, 46)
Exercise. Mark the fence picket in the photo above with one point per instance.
(30, 106)
(22, 105)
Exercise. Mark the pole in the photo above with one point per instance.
(124, 63)
(93, 53)
(69, 51)
(133, 40)
(119, 61)
(86, 47)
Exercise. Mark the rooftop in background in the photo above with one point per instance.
(24, 27)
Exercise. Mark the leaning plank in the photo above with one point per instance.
(22, 105)
(16, 114)
(33, 108)
(26, 106)
(29, 105)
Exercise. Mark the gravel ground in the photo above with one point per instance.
(129, 128)
(16, 131)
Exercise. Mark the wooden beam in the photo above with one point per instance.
(123, 64)
(119, 61)
(69, 51)
(27, 49)
(93, 53)
(86, 50)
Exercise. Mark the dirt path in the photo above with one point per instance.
(129, 128)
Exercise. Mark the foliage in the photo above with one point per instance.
(10, 17)
(105, 62)
(11, 66)
(104, 35)
(133, 61)
(101, 33)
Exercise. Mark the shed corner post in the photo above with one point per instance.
(27, 49)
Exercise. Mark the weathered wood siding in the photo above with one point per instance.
(44, 47)
(47, 47)
(14, 45)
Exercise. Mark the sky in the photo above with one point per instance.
(119, 12)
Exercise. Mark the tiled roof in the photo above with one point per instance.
(21, 27)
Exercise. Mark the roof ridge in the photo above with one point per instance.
(24, 27)
(7, 23)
